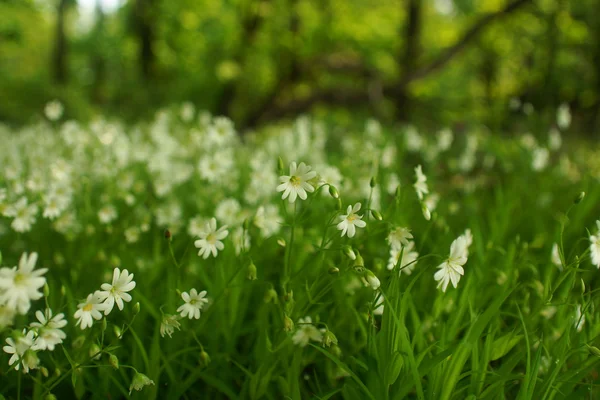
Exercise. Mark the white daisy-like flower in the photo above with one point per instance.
(211, 239)
(48, 330)
(116, 292)
(306, 332)
(563, 116)
(194, 302)
(351, 221)
(54, 110)
(407, 262)
(267, 220)
(420, 184)
(89, 310)
(296, 183)
(399, 237)
(451, 270)
(22, 353)
(18, 286)
(23, 213)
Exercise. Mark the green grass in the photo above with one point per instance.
(508, 330)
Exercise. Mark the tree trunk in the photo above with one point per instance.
(408, 58)
(59, 59)
(143, 10)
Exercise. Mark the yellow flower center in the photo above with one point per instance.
(211, 238)
(19, 278)
(88, 307)
(295, 181)
(351, 217)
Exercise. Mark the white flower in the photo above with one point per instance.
(18, 286)
(399, 237)
(267, 219)
(194, 302)
(116, 292)
(414, 141)
(595, 247)
(229, 211)
(168, 324)
(7, 316)
(296, 184)
(139, 382)
(444, 139)
(48, 330)
(107, 214)
(54, 110)
(540, 158)
(451, 270)
(554, 139)
(563, 116)
(421, 183)
(23, 214)
(89, 310)
(371, 280)
(351, 221)
(21, 351)
(211, 239)
(407, 263)
(306, 332)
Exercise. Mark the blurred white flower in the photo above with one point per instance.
(595, 246)
(407, 263)
(420, 184)
(267, 219)
(563, 116)
(54, 110)
(296, 183)
(48, 330)
(194, 302)
(23, 213)
(211, 239)
(540, 158)
(228, 211)
(444, 139)
(451, 270)
(556, 256)
(22, 353)
(89, 310)
(306, 332)
(18, 286)
(554, 139)
(351, 221)
(107, 214)
(399, 237)
(116, 292)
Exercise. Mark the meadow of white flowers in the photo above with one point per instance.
(180, 259)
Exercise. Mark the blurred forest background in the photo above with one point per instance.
(428, 62)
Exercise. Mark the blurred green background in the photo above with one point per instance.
(257, 61)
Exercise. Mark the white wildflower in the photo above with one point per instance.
(116, 292)
(211, 239)
(194, 302)
(451, 270)
(296, 183)
(18, 286)
(306, 332)
(351, 221)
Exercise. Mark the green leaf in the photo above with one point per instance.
(504, 344)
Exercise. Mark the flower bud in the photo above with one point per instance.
(281, 242)
(333, 192)
(44, 371)
(288, 324)
(204, 359)
(117, 331)
(46, 290)
(57, 372)
(376, 215)
(280, 165)
(373, 182)
(579, 198)
(333, 271)
(329, 339)
(113, 361)
(594, 350)
(271, 296)
(50, 396)
(359, 262)
(349, 252)
(78, 342)
(251, 272)
(63, 290)
(94, 351)
(426, 212)
(136, 308)
(104, 324)
(372, 280)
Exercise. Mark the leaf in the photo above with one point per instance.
(393, 368)
(504, 344)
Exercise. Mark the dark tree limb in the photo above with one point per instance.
(448, 54)
(276, 108)
(59, 56)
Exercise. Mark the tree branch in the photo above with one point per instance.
(451, 52)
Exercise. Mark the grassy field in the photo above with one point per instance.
(160, 261)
